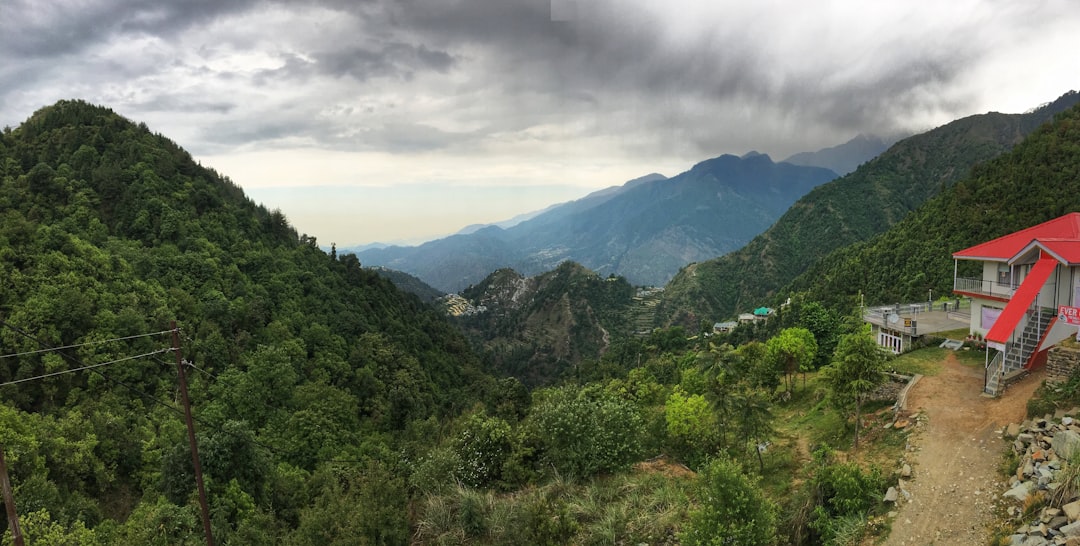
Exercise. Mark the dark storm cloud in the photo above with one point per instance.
(638, 72)
(388, 60)
(36, 29)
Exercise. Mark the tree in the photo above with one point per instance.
(855, 372)
(691, 425)
(754, 419)
(793, 349)
(580, 432)
(732, 511)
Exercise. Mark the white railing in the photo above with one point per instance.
(982, 286)
(994, 369)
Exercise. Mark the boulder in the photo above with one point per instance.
(1066, 444)
(1020, 492)
(1072, 510)
(891, 495)
(1071, 530)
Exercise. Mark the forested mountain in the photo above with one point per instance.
(408, 283)
(644, 231)
(108, 232)
(845, 211)
(537, 328)
(1035, 182)
(843, 158)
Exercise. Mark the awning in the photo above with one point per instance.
(1002, 330)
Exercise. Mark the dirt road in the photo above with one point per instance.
(956, 453)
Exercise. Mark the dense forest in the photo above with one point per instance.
(314, 380)
(1031, 184)
(851, 209)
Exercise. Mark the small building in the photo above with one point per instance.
(1025, 278)
(745, 318)
(724, 327)
(902, 327)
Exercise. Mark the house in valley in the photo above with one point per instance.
(1026, 279)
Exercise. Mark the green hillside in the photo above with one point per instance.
(540, 328)
(108, 232)
(848, 210)
(1033, 183)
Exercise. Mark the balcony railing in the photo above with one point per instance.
(982, 286)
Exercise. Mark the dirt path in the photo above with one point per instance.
(955, 479)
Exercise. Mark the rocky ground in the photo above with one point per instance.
(954, 455)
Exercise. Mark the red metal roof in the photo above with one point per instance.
(1060, 237)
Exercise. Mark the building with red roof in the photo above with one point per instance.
(1026, 278)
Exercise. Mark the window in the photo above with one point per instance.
(1004, 275)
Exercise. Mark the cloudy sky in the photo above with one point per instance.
(381, 120)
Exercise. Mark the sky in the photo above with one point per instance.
(404, 120)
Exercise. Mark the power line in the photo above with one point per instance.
(93, 368)
(88, 367)
(77, 344)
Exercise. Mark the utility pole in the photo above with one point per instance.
(191, 434)
(9, 501)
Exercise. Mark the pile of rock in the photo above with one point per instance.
(1044, 447)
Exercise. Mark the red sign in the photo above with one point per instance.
(1069, 315)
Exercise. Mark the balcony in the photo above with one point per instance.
(982, 287)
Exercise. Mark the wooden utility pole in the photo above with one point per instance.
(191, 434)
(9, 501)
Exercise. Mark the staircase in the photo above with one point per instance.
(1018, 353)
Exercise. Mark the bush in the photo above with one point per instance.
(582, 432)
(733, 509)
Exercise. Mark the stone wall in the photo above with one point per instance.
(1061, 361)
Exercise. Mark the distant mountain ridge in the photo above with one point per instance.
(644, 230)
(845, 211)
(846, 157)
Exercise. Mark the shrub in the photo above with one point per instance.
(733, 509)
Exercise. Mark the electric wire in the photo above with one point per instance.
(86, 367)
(49, 349)
(152, 398)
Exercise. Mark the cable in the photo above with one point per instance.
(151, 397)
(78, 344)
(88, 367)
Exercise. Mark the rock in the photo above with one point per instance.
(1025, 437)
(891, 495)
(901, 423)
(1072, 510)
(1020, 492)
(1058, 522)
(1066, 444)
(1071, 530)
(905, 471)
(1012, 430)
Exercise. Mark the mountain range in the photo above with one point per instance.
(850, 209)
(644, 230)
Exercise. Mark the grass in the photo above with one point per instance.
(631, 508)
(926, 361)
